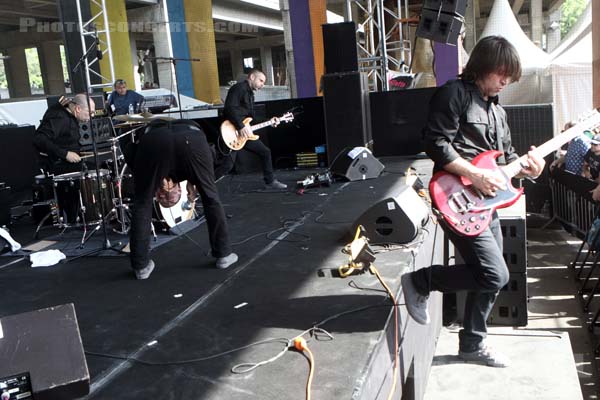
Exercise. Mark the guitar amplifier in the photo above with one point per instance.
(16, 387)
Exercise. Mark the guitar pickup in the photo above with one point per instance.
(460, 202)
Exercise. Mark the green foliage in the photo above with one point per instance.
(571, 10)
(3, 82)
(33, 66)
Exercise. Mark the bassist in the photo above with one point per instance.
(464, 121)
(239, 105)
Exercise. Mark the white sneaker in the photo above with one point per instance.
(145, 272)
(416, 304)
(275, 185)
(225, 262)
(486, 355)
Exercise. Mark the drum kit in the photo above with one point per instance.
(93, 197)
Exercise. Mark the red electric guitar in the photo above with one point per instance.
(466, 209)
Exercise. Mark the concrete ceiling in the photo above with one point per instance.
(14, 14)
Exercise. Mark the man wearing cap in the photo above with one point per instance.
(167, 153)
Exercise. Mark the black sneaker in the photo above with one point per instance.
(416, 304)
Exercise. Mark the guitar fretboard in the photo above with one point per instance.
(515, 167)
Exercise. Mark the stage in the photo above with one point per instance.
(189, 324)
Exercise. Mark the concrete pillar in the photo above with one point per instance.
(553, 30)
(596, 52)
(123, 62)
(302, 20)
(51, 68)
(470, 26)
(237, 64)
(17, 73)
(202, 46)
(537, 19)
(267, 61)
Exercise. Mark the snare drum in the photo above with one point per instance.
(77, 196)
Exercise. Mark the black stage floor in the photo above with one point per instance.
(284, 283)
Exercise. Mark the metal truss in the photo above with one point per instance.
(89, 29)
(381, 46)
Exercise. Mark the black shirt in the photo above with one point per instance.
(462, 124)
(594, 163)
(58, 133)
(239, 104)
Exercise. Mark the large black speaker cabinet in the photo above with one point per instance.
(45, 347)
(339, 46)
(396, 219)
(346, 105)
(457, 7)
(356, 164)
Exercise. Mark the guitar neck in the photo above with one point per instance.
(261, 125)
(515, 167)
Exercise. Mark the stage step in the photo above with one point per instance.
(542, 367)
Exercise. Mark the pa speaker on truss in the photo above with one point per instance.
(442, 21)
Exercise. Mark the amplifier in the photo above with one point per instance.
(15, 387)
(159, 103)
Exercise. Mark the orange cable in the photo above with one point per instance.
(300, 345)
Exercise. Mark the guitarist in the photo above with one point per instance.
(464, 121)
(239, 105)
(167, 153)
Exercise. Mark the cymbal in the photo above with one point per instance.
(141, 118)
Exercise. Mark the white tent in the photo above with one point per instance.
(534, 86)
(571, 71)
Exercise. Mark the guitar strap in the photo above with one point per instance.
(499, 135)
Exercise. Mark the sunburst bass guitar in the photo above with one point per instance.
(467, 210)
(235, 141)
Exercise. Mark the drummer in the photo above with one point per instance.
(57, 137)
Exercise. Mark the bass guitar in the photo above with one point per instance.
(235, 141)
(467, 210)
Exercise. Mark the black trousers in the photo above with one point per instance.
(482, 276)
(254, 146)
(194, 153)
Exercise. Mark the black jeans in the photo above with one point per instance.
(482, 275)
(254, 146)
(199, 171)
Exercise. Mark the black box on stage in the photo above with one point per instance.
(356, 164)
(347, 113)
(457, 7)
(4, 204)
(46, 344)
(439, 27)
(510, 308)
(339, 47)
(397, 219)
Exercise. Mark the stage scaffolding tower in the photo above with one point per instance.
(101, 32)
(382, 46)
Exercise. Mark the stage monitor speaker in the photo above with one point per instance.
(356, 164)
(396, 219)
(347, 112)
(46, 345)
(457, 7)
(339, 45)
(439, 27)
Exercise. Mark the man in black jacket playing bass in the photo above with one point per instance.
(239, 105)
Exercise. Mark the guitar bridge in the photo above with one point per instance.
(460, 202)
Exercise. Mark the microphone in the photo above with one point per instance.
(99, 53)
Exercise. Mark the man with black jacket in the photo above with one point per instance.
(57, 137)
(168, 153)
(239, 105)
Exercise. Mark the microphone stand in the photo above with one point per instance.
(174, 60)
(107, 245)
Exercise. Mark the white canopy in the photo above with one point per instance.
(534, 87)
(571, 72)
